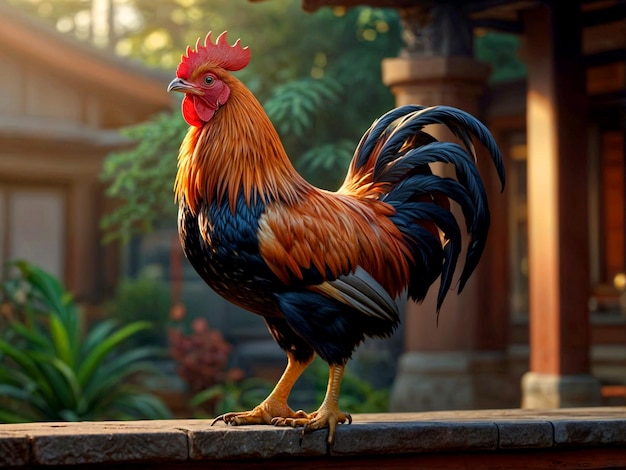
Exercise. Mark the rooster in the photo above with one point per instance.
(324, 269)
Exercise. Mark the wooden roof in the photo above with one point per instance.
(83, 64)
(496, 14)
(495, 10)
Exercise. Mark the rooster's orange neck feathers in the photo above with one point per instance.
(238, 150)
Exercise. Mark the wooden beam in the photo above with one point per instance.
(602, 16)
(605, 57)
(506, 26)
(474, 6)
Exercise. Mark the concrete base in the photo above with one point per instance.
(540, 391)
(432, 381)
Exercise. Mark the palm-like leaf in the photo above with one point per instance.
(49, 371)
(293, 106)
(326, 164)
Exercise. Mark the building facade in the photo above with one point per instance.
(62, 104)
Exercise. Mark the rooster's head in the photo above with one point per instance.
(202, 76)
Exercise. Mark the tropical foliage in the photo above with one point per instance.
(53, 369)
(500, 50)
(357, 395)
(143, 298)
(232, 395)
(293, 105)
(203, 361)
(202, 355)
(142, 177)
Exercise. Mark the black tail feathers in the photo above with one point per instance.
(404, 154)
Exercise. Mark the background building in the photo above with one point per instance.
(62, 104)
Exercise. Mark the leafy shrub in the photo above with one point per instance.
(326, 163)
(232, 395)
(51, 369)
(293, 106)
(144, 298)
(202, 357)
(142, 177)
(357, 395)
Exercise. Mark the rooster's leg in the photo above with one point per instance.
(274, 407)
(328, 415)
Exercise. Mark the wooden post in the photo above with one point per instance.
(444, 366)
(82, 239)
(557, 210)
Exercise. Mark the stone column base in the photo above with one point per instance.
(559, 391)
(432, 381)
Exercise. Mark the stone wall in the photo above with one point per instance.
(571, 438)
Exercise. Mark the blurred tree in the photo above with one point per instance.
(142, 177)
(91, 20)
(501, 51)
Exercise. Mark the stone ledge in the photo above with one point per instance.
(371, 437)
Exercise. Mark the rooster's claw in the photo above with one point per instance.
(218, 418)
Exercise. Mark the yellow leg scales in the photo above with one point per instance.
(275, 405)
(274, 409)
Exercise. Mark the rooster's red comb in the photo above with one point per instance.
(220, 54)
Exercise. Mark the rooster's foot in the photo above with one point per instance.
(327, 416)
(265, 413)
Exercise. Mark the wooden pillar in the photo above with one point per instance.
(82, 238)
(438, 368)
(557, 211)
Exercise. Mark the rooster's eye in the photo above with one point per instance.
(208, 80)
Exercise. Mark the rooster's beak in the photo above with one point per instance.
(178, 84)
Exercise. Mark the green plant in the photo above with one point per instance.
(142, 177)
(357, 395)
(293, 106)
(500, 50)
(326, 163)
(202, 358)
(232, 395)
(144, 298)
(51, 369)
